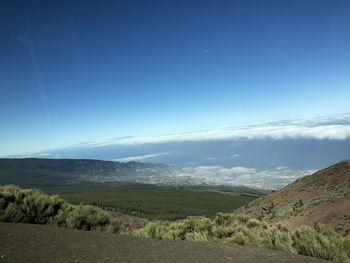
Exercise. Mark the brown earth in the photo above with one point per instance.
(335, 214)
(321, 197)
(46, 244)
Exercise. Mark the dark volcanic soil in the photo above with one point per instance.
(38, 243)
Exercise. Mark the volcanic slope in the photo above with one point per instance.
(322, 197)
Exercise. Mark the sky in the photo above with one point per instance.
(80, 71)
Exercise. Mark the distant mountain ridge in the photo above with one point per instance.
(38, 172)
(82, 166)
(321, 197)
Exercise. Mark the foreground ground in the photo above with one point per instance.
(39, 243)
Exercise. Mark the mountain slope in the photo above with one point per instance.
(36, 172)
(321, 197)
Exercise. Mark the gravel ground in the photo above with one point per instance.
(38, 243)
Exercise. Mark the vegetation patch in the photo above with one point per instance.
(34, 206)
(158, 202)
(321, 241)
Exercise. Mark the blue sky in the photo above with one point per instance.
(75, 71)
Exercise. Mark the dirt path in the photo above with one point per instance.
(46, 244)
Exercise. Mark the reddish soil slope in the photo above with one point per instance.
(321, 197)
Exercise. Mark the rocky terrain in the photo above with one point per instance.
(322, 197)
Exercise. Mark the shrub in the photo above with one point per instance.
(157, 230)
(34, 206)
(252, 222)
(201, 226)
(12, 214)
(191, 228)
(240, 238)
(40, 208)
(278, 237)
(87, 217)
(197, 236)
(27, 205)
(322, 241)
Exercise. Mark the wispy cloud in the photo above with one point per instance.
(35, 155)
(141, 158)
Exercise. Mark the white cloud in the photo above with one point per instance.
(35, 155)
(140, 158)
(241, 176)
(331, 128)
(45, 154)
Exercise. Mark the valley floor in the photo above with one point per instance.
(39, 243)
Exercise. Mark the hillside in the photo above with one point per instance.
(36, 172)
(35, 207)
(321, 197)
(61, 174)
(37, 243)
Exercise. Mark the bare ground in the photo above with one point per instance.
(324, 196)
(39, 243)
(335, 213)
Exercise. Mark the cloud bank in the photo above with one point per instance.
(241, 176)
(299, 145)
(323, 128)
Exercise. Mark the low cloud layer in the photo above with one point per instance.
(299, 145)
(241, 176)
(329, 128)
(141, 158)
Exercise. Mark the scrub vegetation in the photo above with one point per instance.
(320, 241)
(321, 197)
(34, 206)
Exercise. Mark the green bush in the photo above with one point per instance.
(27, 205)
(322, 241)
(252, 222)
(33, 206)
(191, 228)
(277, 236)
(87, 217)
(12, 214)
(155, 229)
